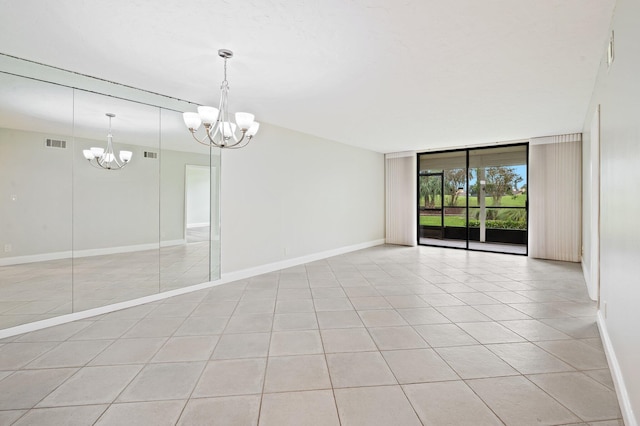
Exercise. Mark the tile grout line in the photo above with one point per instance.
(167, 338)
(210, 291)
(266, 364)
(78, 369)
(387, 363)
(324, 352)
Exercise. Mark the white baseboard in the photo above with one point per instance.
(19, 260)
(197, 225)
(44, 257)
(171, 243)
(226, 278)
(413, 243)
(62, 319)
(586, 272)
(616, 374)
(288, 263)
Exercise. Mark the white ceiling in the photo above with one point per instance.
(388, 75)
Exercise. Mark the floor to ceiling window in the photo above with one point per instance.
(474, 199)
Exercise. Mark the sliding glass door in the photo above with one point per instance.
(498, 200)
(442, 199)
(474, 199)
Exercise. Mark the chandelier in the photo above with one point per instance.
(219, 130)
(105, 158)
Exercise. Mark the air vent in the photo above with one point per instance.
(55, 143)
(150, 154)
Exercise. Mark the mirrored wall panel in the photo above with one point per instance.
(104, 198)
(189, 200)
(36, 175)
(115, 203)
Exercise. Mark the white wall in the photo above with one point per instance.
(617, 91)
(289, 194)
(35, 194)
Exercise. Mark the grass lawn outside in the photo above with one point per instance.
(506, 201)
(496, 218)
(448, 221)
(461, 222)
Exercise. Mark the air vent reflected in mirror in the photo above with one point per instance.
(55, 143)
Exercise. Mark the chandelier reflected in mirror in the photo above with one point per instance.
(219, 130)
(105, 158)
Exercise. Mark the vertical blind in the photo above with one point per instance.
(555, 177)
(401, 204)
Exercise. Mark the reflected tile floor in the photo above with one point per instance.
(476, 245)
(40, 290)
(384, 336)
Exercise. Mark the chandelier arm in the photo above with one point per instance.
(201, 141)
(235, 138)
(110, 153)
(214, 130)
(237, 141)
(115, 160)
(212, 137)
(95, 164)
(108, 167)
(240, 146)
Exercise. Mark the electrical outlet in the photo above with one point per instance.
(7, 248)
(286, 251)
(14, 197)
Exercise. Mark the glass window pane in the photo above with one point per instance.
(431, 191)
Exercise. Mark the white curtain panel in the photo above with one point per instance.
(401, 202)
(554, 186)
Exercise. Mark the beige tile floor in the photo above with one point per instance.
(384, 336)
